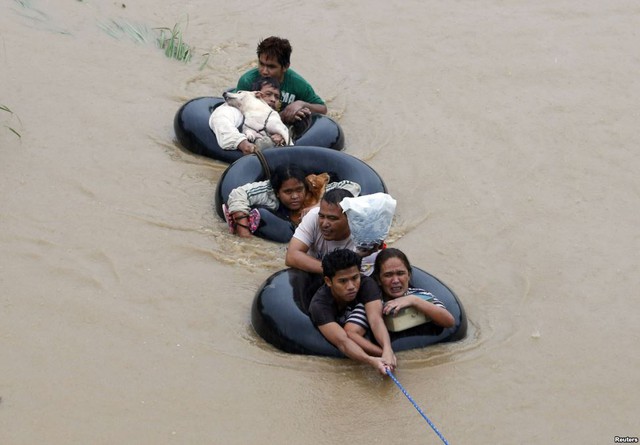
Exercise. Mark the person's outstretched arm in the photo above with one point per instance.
(380, 332)
(356, 333)
(339, 338)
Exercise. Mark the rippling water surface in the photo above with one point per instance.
(507, 133)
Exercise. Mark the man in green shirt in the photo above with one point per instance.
(297, 97)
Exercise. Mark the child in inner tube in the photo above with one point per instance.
(284, 194)
(226, 120)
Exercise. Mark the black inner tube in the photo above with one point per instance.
(278, 315)
(338, 165)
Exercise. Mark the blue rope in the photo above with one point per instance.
(404, 391)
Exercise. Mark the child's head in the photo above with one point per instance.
(290, 186)
(267, 89)
(261, 82)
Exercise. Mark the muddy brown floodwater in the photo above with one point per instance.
(507, 132)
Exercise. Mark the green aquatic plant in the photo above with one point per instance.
(138, 33)
(171, 42)
(5, 108)
(38, 17)
(167, 39)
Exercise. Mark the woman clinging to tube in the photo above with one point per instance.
(392, 271)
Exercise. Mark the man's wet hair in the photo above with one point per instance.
(336, 195)
(276, 47)
(338, 260)
(262, 81)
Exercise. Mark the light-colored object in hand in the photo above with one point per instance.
(259, 118)
(370, 218)
(406, 318)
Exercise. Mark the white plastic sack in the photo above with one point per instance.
(369, 217)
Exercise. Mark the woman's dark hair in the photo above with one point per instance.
(277, 48)
(338, 260)
(262, 81)
(287, 171)
(386, 254)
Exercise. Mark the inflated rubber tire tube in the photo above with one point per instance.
(321, 132)
(339, 165)
(277, 315)
(191, 125)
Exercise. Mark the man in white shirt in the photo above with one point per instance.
(326, 228)
(322, 230)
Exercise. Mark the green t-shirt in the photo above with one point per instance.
(292, 88)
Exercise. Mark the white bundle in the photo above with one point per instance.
(370, 218)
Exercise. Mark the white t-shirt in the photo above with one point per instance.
(308, 231)
(224, 122)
